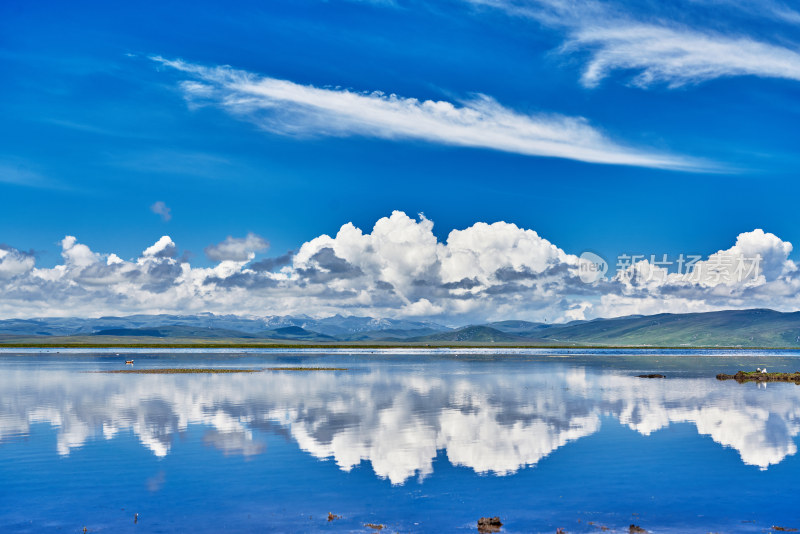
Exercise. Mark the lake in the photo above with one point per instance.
(427, 441)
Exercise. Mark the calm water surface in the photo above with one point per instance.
(425, 442)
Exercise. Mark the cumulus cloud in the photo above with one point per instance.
(399, 268)
(270, 264)
(160, 208)
(14, 262)
(77, 254)
(619, 36)
(287, 108)
(237, 249)
(163, 248)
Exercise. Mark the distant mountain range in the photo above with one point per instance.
(733, 328)
(210, 326)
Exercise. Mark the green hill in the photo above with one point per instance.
(746, 328)
(172, 331)
(473, 334)
(296, 333)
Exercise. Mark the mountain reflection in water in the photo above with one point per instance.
(398, 419)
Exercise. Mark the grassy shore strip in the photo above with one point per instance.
(205, 345)
(306, 369)
(177, 371)
(757, 376)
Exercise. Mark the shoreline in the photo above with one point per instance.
(374, 346)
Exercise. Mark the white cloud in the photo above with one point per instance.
(769, 253)
(160, 208)
(679, 56)
(17, 172)
(770, 9)
(398, 268)
(756, 259)
(483, 249)
(164, 247)
(237, 249)
(76, 254)
(287, 108)
(14, 262)
(422, 308)
(755, 272)
(647, 40)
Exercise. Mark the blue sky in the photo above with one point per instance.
(667, 129)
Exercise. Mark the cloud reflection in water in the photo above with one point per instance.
(398, 419)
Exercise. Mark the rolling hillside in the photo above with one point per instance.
(746, 328)
(473, 334)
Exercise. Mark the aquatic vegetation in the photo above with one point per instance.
(306, 369)
(760, 376)
(489, 524)
(178, 371)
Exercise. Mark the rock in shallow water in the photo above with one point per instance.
(489, 524)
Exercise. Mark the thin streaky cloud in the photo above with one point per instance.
(18, 173)
(679, 56)
(287, 108)
(662, 51)
(769, 9)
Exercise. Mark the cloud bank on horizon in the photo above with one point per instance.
(399, 269)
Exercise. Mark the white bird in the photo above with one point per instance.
(764, 370)
(758, 369)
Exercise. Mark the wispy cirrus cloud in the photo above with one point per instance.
(661, 49)
(18, 172)
(288, 108)
(775, 10)
(679, 56)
